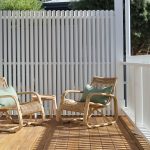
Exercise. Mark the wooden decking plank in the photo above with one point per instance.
(62, 141)
(73, 140)
(72, 136)
(37, 132)
(95, 136)
(13, 140)
(105, 137)
(115, 136)
(130, 140)
(48, 137)
(84, 138)
(136, 135)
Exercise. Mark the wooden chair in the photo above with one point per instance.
(23, 109)
(88, 107)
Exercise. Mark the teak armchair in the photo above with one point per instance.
(87, 107)
(27, 108)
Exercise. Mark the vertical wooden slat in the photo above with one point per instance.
(72, 66)
(85, 48)
(9, 74)
(98, 43)
(36, 55)
(112, 45)
(89, 45)
(18, 74)
(49, 56)
(32, 51)
(112, 50)
(144, 109)
(58, 54)
(45, 52)
(67, 48)
(5, 44)
(27, 50)
(138, 86)
(130, 88)
(107, 54)
(93, 44)
(54, 52)
(63, 83)
(44, 61)
(41, 52)
(71, 50)
(103, 46)
(76, 48)
(14, 49)
(1, 52)
(102, 43)
(23, 53)
(80, 74)
(107, 47)
(76, 51)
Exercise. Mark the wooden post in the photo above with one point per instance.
(119, 50)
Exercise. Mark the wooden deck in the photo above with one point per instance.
(72, 136)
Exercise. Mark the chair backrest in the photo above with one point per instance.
(3, 82)
(104, 82)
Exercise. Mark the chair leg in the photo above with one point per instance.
(88, 115)
(20, 117)
(86, 112)
(15, 128)
(43, 114)
(58, 114)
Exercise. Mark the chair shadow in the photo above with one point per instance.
(59, 135)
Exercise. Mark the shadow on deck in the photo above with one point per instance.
(73, 136)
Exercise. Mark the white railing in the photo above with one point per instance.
(52, 51)
(138, 92)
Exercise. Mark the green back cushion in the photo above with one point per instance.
(96, 99)
(6, 102)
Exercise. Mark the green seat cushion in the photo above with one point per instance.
(7, 102)
(96, 99)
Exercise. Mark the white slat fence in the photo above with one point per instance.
(51, 51)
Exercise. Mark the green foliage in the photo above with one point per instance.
(140, 20)
(93, 5)
(20, 5)
(140, 26)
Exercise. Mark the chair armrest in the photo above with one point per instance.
(71, 91)
(31, 93)
(21, 93)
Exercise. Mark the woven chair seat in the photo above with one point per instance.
(30, 108)
(72, 105)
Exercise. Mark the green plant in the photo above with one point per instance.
(20, 5)
(140, 26)
(140, 20)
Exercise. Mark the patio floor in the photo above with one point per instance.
(72, 136)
